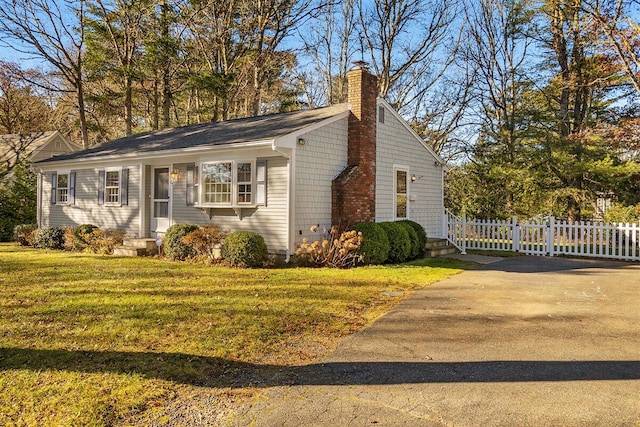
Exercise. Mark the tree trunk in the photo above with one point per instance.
(84, 129)
(128, 101)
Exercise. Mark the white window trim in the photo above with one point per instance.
(234, 184)
(396, 169)
(68, 187)
(106, 194)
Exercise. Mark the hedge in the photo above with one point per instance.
(375, 243)
(399, 242)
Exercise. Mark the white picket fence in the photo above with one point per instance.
(546, 237)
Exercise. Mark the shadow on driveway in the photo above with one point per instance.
(538, 264)
(215, 372)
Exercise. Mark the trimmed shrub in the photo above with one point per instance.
(69, 239)
(49, 238)
(399, 243)
(422, 235)
(84, 229)
(337, 250)
(104, 241)
(83, 236)
(206, 241)
(173, 247)
(245, 249)
(413, 238)
(375, 243)
(23, 234)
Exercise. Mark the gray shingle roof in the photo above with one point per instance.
(25, 144)
(209, 134)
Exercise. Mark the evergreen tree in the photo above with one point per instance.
(17, 200)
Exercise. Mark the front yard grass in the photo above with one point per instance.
(99, 340)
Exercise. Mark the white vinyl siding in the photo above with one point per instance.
(270, 220)
(318, 162)
(398, 146)
(86, 209)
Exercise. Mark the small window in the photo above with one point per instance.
(62, 195)
(112, 187)
(245, 181)
(381, 114)
(401, 194)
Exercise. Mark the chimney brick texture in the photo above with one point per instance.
(354, 190)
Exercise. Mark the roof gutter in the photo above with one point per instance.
(160, 154)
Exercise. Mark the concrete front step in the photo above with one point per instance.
(149, 245)
(434, 243)
(129, 251)
(439, 247)
(432, 253)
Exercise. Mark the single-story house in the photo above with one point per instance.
(277, 174)
(32, 147)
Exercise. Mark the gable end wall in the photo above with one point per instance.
(397, 146)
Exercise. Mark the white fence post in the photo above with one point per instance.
(551, 236)
(463, 245)
(515, 234)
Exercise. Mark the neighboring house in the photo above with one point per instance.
(32, 147)
(277, 175)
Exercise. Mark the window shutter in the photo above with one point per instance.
(192, 185)
(54, 187)
(72, 188)
(261, 182)
(101, 187)
(124, 187)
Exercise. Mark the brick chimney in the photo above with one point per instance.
(354, 190)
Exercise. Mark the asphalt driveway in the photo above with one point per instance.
(522, 341)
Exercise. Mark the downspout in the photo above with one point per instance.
(290, 199)
(443, 170)
(39, 198)
(142, 206)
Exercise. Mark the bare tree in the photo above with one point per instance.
(22, 108)
(497, 48)
(269, 22)
(617, 20)
(403, 40)
(331, 44)
(53, 31)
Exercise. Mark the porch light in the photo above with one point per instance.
(414, 178)
(175, 175)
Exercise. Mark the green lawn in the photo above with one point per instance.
(99, 340)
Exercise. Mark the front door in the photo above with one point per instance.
(160, 206)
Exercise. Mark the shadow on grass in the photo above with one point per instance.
(216, 372)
